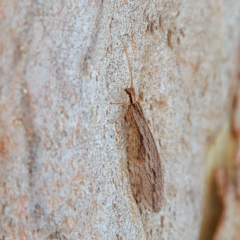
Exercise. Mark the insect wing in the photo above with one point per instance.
(144, 162)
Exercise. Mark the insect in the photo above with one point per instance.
(144, 165)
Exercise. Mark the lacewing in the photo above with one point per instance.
(144, 165)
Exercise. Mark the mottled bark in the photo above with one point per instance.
(63, 164)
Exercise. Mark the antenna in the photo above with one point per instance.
(129, 66)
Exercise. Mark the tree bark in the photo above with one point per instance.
(63, 162)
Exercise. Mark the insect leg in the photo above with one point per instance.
(124, 105)
(122, 116)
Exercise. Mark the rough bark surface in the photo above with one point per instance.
(63, 167)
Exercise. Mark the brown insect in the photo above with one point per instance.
(144, 165)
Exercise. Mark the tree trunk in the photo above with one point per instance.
(64, 171)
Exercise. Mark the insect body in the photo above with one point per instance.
(144, 165)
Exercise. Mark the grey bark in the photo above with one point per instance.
(63, 163)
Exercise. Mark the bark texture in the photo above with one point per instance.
(63, 165)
